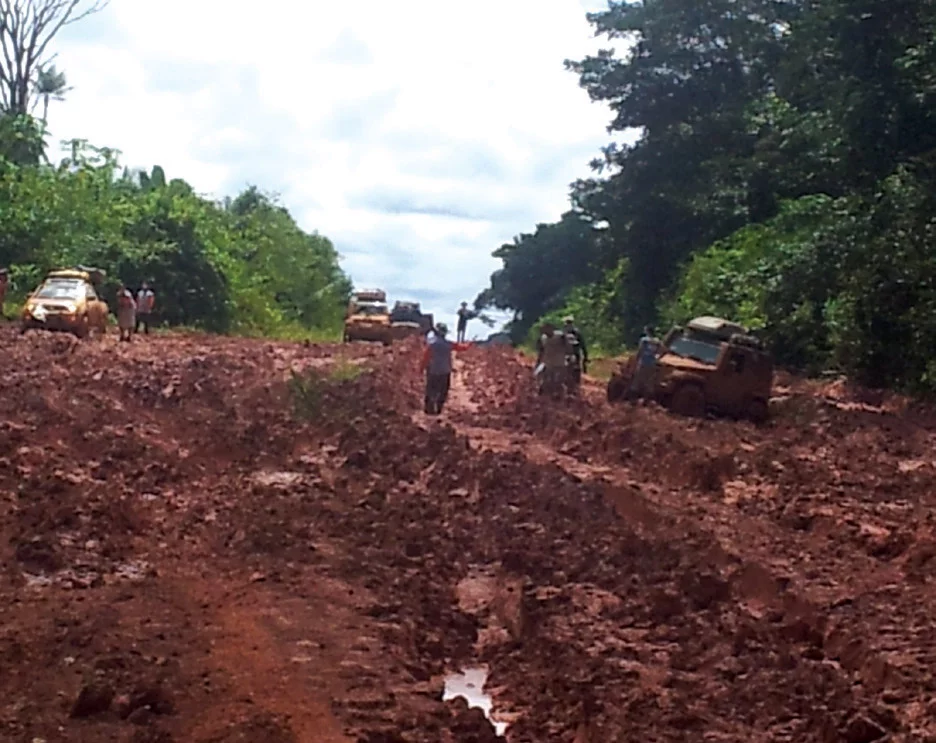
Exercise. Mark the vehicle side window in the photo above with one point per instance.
(90, 294)
(737, 362)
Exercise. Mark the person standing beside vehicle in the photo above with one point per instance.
(146, 302)
(126, 313)
(647, 351)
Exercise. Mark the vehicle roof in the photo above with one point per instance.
(69, 273)
(717, 325)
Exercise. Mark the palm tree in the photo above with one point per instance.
(50, 85)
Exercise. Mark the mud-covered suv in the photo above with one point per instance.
(711, 365)
(407, 319)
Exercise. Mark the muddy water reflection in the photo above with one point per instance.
(470, 685)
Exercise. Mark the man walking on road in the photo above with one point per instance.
(437, 364)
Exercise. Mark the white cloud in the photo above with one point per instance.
(356, 113)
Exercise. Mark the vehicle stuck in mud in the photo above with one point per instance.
(709, 366)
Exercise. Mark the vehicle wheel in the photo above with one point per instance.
(83, 328)
(689, 401)
(757, 411)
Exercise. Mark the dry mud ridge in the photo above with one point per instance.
(219, 540)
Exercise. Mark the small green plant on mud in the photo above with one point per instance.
(345, 371)
(305, 393)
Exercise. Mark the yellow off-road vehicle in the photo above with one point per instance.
(368, 318)
(710, 365)
(68, 301)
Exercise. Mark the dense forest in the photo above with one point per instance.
(783, 175)
(241, 265)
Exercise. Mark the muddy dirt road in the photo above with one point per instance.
(219, 540)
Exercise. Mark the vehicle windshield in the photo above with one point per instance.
(61, 289)
(695, 348)
(371, 309)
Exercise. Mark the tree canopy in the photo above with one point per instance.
(782, 176)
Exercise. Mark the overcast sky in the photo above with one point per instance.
(418, 135)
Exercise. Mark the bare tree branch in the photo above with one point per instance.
(26, 29)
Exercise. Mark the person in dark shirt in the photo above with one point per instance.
(437, 364)
(576, 340)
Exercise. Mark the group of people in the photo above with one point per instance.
(561, 357)
(135, 312)
(558, 355)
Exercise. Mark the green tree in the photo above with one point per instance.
(51, 85)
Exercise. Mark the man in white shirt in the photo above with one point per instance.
(146, 302)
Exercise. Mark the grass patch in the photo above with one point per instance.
(344, 371)
(307, 389)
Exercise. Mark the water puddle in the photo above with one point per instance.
(470, 685)
(276, 479)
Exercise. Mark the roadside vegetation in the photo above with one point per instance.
(240, 265)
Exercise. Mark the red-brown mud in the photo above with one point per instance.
(218, 540)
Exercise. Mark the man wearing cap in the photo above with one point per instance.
(437, 364)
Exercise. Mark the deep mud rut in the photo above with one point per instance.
(197, 547)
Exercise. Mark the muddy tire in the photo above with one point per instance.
(688, 401)
(757, 411)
